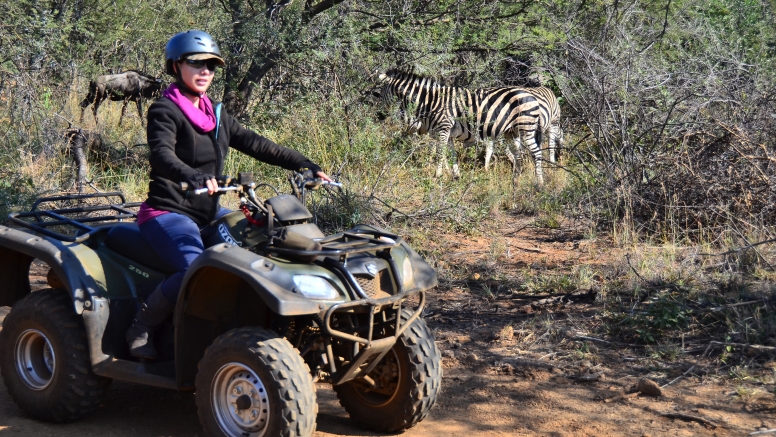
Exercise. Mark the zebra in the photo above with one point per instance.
(549, 123)
(464, 114)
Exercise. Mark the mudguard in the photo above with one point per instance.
(425, 276)
(68, 260)
(274, 285)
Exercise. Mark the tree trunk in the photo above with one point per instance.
(78, 143)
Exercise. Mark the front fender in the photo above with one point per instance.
(424, 276)
(17, 251)
(262, 274)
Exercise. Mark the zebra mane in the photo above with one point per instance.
(411, 75)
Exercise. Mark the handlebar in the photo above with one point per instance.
(301, 181)
(319, 182)
(218, 190)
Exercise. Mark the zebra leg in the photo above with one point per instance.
(554, 141)
(511, 156)
(456, 170)
(442, 163)
(488, 152)
(530, 143)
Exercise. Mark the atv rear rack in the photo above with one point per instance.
(74, 229)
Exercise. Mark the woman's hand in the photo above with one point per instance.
(212, 186)
(323, 176)
(202, 180)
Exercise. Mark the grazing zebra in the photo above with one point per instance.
(549, 123)
(465, 115)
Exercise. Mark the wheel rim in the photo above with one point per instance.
(35, 359)
(240, 401)
(386, 377)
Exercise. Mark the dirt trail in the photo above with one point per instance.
(527, 381)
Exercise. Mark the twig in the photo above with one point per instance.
(91, 184)
(765, 431)
(589, 377)
(678, 377)
(622, 396)
(702, 420)
(749, 246)
(744, 345)
(721, 307)
(615, 343)
(518, 230)
(627, 258)
(529, 250)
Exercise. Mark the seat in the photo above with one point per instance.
(125, 239)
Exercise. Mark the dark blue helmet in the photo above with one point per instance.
(191, 44)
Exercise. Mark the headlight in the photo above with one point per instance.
(406, 272)
(315, 287)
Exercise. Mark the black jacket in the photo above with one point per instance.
(179, 152)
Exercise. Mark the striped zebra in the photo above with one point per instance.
(549, 123)
(457, 113)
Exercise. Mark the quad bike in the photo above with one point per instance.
(271, 307)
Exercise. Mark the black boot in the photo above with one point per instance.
(140, 335)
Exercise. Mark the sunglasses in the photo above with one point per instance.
(212, 64)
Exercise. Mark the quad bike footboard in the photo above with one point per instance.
(369, 350)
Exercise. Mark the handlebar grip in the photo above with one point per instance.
(185, 187)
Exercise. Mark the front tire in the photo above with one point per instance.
(253, 383)
(44, 358)
(410, 377)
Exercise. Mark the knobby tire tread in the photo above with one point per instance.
(75, 390)
(291, 377)
(426, 379)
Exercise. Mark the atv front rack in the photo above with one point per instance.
(368, 351)
(343, 244)
(57, 223)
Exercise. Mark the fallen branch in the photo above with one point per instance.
(622, 396)
(518, 230)
(748, 246)
(627, 258)
(688, 417)
(730, 305)
(589, 377)
(678, 377)
(765, 431)
(529, 250)
(614, 343)
(742, 345)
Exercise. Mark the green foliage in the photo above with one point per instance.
(296, 71)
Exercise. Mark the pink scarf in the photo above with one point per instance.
(203, 118)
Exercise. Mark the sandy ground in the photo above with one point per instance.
(532, 382)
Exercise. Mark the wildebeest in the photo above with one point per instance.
(128, 86)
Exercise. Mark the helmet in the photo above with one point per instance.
(188, 45)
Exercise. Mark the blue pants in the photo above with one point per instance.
(177, 239)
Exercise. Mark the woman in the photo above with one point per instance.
(189, 139)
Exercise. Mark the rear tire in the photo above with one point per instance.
(44, 358)
(414, 366)
(252, 382)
